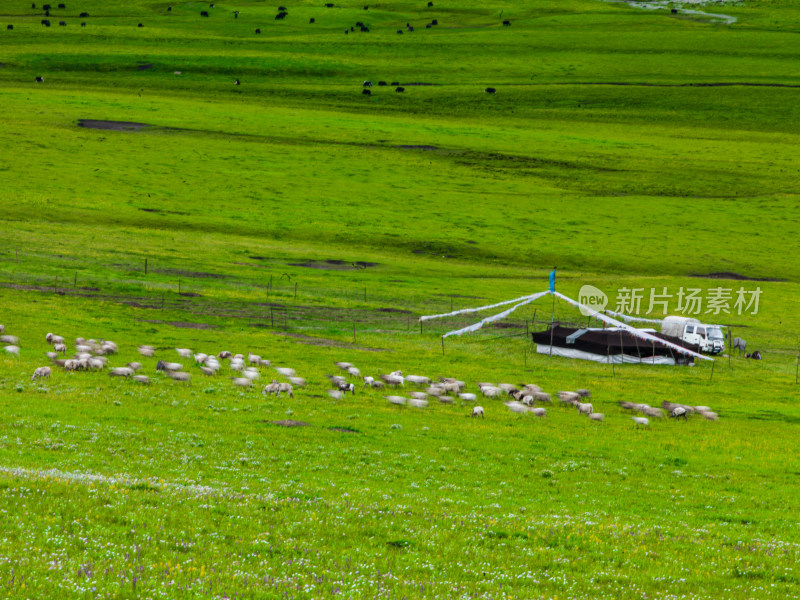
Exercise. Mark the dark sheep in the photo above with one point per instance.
(410, 28)
(490, 90)
(47, 13)
(430, 4)
(365, 29)
(400, 31)
(203, 13)
(359, 23)
(428, 26)
(506, 23)
(367, 84)
(281, 16)
(39, 79)
(399, 90)
(366, 92)
(46, 7)
(45, 22)
(140, 25)
(674, 11)
(346, 31)
(33, 5)
(236, 82)
(236, 14)
(169, 9)
(366, 8)
(435, 22)
(311, 20)
(755, 355)
(329, 5)
(352, 29)
(281, 9)
(83, 24)
(258, 31)
(62, 23)
(62, 6)
(381, 83)
(9, 27)
(83, 15)
(395, 83)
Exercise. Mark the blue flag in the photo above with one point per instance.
(553, 280)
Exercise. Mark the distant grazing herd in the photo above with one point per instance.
(280, 16)
(92, 356)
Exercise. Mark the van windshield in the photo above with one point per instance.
(715, 333)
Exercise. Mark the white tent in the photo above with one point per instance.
(523, 300)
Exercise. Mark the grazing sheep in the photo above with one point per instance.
(168, 366)
(54, 339)
(490, 90)
(377, 385)
(679, 412)
(477, 411)
(467, 397)
(343, 365)
(253, 359)
(368, 381)
(641, 421)
(418, 379)
(142, 379)
(335, 394)
(445, 399)
(527, 400)
(282, 387)
(346, 387)
(286, 372)
(9, 339)
(418, 402)
(517, 407)
(596, 416)
(62, 348)
(354, 372)
(121, 372)
(12, 349)
(492, 392)
(134, 365)
(542, 397)
(243, 381)
(96, 363)
(224, 354)
(251, 373)
(569, 397)
(200, 358)
(584, 409)
(702, 409)
(539, 412)
(184, 352)
(396, 400)
(208, 371)
(655, 413)
(419, 395)
(584, 393)
(394, 380)
(2, 328)
(297, 381)
(147, 351)
(108, 347)
(51, 355)
(41, 372)
(710, 415)
(508, 388)
(179, 375)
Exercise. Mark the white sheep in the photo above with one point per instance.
(679, 412)
(200, 358)
(596, 416)
(135, 365)
(62, 348)
(146, 350)
(477, 411)
(121, 372)
(253, 359)
(251, 373)
(368, 381)
(394, 379)
(343, 365)
(396, 400)
(41, 372)
(418, 402)
(168, 366)
(641, 421)
(492, 392)
(51, 355)
(517, 407)
(12, 349)
(179, 375)
(584, 409)
(9, 339)
(569, 397)
(2, 328)
(142, 379)
(354, 372)
(542, 397)
(297, 381)
(710, 415)
(468, 397)
(286, 371)
(243, 381)
(335, 394)
(208, 371)
(539, 412)
(184, 352)
(418, 379)
(225, 354)
(419, 395)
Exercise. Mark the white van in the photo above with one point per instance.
(708, 337)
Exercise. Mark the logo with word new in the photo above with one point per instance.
(593, 299)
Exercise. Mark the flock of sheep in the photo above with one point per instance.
(92, 355)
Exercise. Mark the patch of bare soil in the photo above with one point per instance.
(335, 265)
(734, 276)
(111, 125)
(289, 423)
(314, 341)
(343, 429)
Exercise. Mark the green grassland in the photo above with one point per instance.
(632, 148)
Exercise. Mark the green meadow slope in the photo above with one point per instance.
(298, 218)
